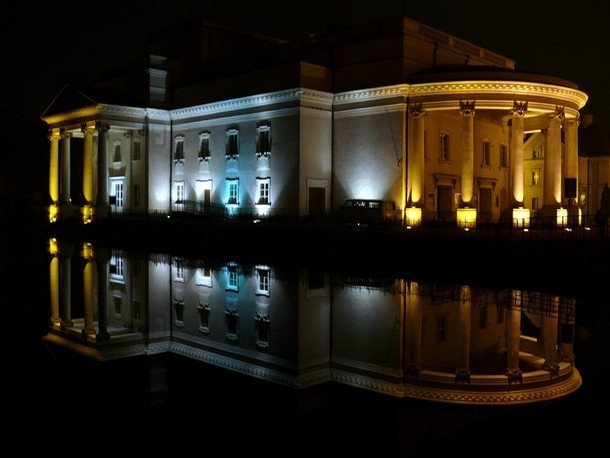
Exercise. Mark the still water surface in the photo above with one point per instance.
(257, 359)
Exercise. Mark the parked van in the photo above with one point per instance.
(370, 212)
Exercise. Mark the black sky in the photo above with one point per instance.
(46, 44)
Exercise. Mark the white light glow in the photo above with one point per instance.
(562, 217)
(521, 217)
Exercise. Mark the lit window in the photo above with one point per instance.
(204, 146)
(503, 156)
(232, 191)
(232, 145)
(179, 149)
(232, 277)
(116, 152)
(179, 271)
(136, 151)
(263, 191)
(263, 278)
(444, 147)
(441, 329)
(204, 276)
(118, 197)
(179, 192)
(263, 140)
(486, 153)
(536, 177)
(538, 153)
(117, 267)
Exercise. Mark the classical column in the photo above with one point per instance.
(415, 190)
(66, 291)
(467, 177)
(88, 171)
(462, 372)
(102, 294)
(413, 322)
(54, 175)
(513, 332)
(552, 160)
(549, 335)
(570, 172)
(103, 207)
(65, 167)
(516, 152)
(88, 289)
(55, 320)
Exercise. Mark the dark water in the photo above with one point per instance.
(62, 400)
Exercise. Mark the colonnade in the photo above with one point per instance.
(551, 126)
(95, 198)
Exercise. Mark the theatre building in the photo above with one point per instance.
(219, 120)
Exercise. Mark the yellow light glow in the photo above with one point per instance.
(466, 217)
(562, 217)
(53, 247)
(413, 216)
(53, 213)
(521, 217)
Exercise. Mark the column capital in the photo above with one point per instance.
(53, 134)
(416, 110)
(84, 127)
(519, 108)
(558, 114)
(101, 127)
(467, 108)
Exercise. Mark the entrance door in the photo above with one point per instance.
(317, 200)
(485, 205)
(445, 203)
(117, 195)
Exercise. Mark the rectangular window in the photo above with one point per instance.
(116, 153)
(263, 279)
(486, 153)
(535, 203)
(118, 194)
(263, 140)
(204, 146)
(179, 151)
(179, 311)
(263, 191)
(538, 153)
(136, 151)
(503, 156)
(179, 191)
(232, 277)
(179, 271)
(263, 330)
(204, 318)
(204, 276)
(232, 145)
(444, 147)
(441, 329)
(536, 177)
(233, 191)
(117, 267)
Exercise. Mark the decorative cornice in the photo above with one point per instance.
(366, 111)
(516, 89)
(400, 90)
(253, 101)
(85, 112)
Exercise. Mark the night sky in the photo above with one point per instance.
(46, 44)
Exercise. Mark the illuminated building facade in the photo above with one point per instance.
(245, 124)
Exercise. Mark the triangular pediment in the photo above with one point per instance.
(69, 99)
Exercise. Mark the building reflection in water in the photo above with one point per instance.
(404, 338)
